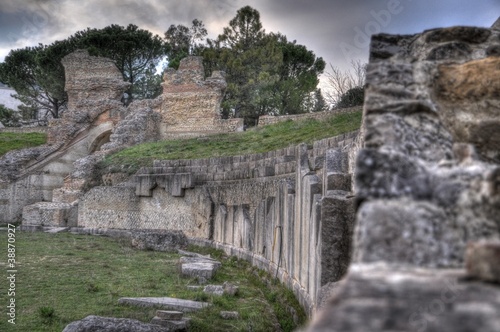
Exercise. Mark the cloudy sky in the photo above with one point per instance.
(336, 30)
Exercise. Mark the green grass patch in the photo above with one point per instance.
(256, 140)
(15, 141)
(63, 277)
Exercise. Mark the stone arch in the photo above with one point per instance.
(99, 136)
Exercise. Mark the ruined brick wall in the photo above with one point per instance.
(94, 86)
(191, 103)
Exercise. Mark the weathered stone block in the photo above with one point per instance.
(172, 325)
(380, 298)
(482, 260)
(170, 315)
(203, 269)
(47, 214)
(167, 303)
(407, 232)
(337, 225)
(217, 290)
(229, 315)
(96, 323)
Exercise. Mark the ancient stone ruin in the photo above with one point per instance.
(427, 184)
(395, 227)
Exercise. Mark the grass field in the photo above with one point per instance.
(14, 141)
(256, 140)
(64, 277)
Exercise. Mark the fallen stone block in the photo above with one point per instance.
(96, 323)
(214, 290)
(230, 289)
(158, 240)
(229, 315)
(169, 315)
(482, 260)
(167, 303)
(202, 269)
(172, 325)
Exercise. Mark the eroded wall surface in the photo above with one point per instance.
(427, 237)
(191, 104)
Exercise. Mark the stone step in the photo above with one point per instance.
(172, 325)
(169, 315)
(168, 303)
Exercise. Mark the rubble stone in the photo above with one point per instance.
(96, 323)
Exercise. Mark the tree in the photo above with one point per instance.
(181, 41)
(319, 102)
(37, 76)
(149, 85)
(345, 85)
(298, 76)
(250, 60)
(353, 97)
(266, 73)
(8, 117)
(135, 51)
(244, 30)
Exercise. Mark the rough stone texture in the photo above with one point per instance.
(482, 260)
(119, 208)
(49, 214)
(200, 269)
(158, 240)
(217, 290)
(230, 289)
(97, 324)
(167, 303)
(426, 188)
(388, 298)
(139, 126)
(469, 99)
(170, 315)
(172, 325)
(427, 178)
(229, 315)
(190, 103)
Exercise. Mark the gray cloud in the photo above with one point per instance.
(325, 26)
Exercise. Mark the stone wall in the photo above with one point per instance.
(265, 120)
(191, 103)
(427, 184)
(281, 210)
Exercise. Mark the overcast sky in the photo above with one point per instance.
(336, 30)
